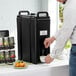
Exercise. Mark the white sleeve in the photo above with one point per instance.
(65, 33)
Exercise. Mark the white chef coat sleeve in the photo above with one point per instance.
(64, 33)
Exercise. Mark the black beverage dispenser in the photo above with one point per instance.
(32, 30)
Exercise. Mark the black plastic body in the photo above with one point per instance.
(4, 33)
(32, 30)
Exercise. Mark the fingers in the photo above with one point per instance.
(48, 59)
(49, 41)
(46, 43)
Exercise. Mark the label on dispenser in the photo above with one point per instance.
(43, 32)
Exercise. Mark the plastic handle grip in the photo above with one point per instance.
(46, 14)
(20, 12)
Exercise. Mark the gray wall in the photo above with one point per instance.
(9, 10)
(44, 6)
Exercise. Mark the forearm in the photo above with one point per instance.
(61, 39)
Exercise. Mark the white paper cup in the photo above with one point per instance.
(42, 58)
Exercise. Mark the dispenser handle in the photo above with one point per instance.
(43, 12)
(26, 12)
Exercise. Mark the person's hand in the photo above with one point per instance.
(48, 41)
(62, 1)
(48, 59)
